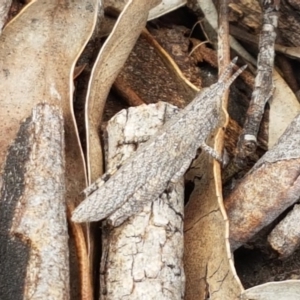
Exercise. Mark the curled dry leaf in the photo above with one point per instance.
(207, 259)
(165, 7)
(281, 290)
(37, 59)
(142, 258)
(109, 62)
(270, 187)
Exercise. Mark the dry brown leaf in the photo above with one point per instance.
(174, 41)
(38, 52)
(166, 83)
(208, 265)
(109, 62)
(208, 262)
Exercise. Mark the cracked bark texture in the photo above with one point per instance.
(142, 258)
(34, 259)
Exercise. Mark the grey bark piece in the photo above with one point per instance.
(285, 237)
(153, 166)
(4, 9)
(143, 256)
(263, 91)
(39, 221)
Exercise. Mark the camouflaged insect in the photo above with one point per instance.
(160, 161)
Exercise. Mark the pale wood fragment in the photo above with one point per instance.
(143, 257)
(285, 237)
(37, 202)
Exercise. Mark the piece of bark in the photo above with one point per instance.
(270, 187)
(34, 235)
(37, 58)
(142, 258)
(173, 39)
(285, 237)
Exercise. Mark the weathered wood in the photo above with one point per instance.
(142, 258)
(34, 254)
(285, 237)
(38, 51)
